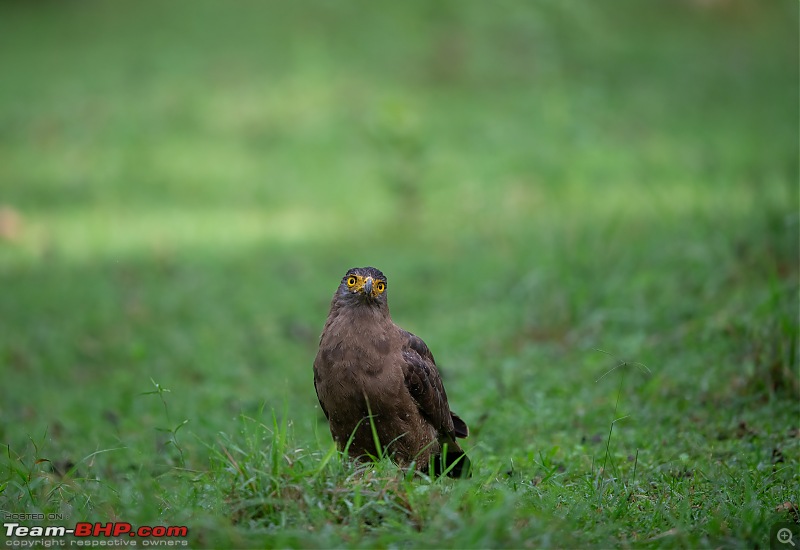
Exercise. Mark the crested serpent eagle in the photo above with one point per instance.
(375, 379)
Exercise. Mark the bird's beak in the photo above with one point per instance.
(368, 287)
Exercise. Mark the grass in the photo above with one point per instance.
(589, 213)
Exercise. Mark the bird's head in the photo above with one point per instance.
(363, 285)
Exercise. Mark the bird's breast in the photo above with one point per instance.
(349, 369)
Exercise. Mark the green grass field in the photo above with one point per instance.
(589, 211)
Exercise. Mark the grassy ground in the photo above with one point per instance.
(590, 214)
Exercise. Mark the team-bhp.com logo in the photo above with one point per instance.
(94, 534)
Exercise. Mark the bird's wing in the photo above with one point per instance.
(316, 388)
(425, 386)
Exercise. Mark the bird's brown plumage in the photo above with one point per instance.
(370, 372)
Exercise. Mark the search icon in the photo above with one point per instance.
(784, 536)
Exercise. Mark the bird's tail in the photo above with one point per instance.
(452, 462)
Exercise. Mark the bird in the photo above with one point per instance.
(379, 387)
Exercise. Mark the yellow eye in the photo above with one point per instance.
(380, 286)
(351, 281)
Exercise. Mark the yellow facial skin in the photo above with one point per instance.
(365, 285)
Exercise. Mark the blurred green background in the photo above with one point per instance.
(182, 185)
